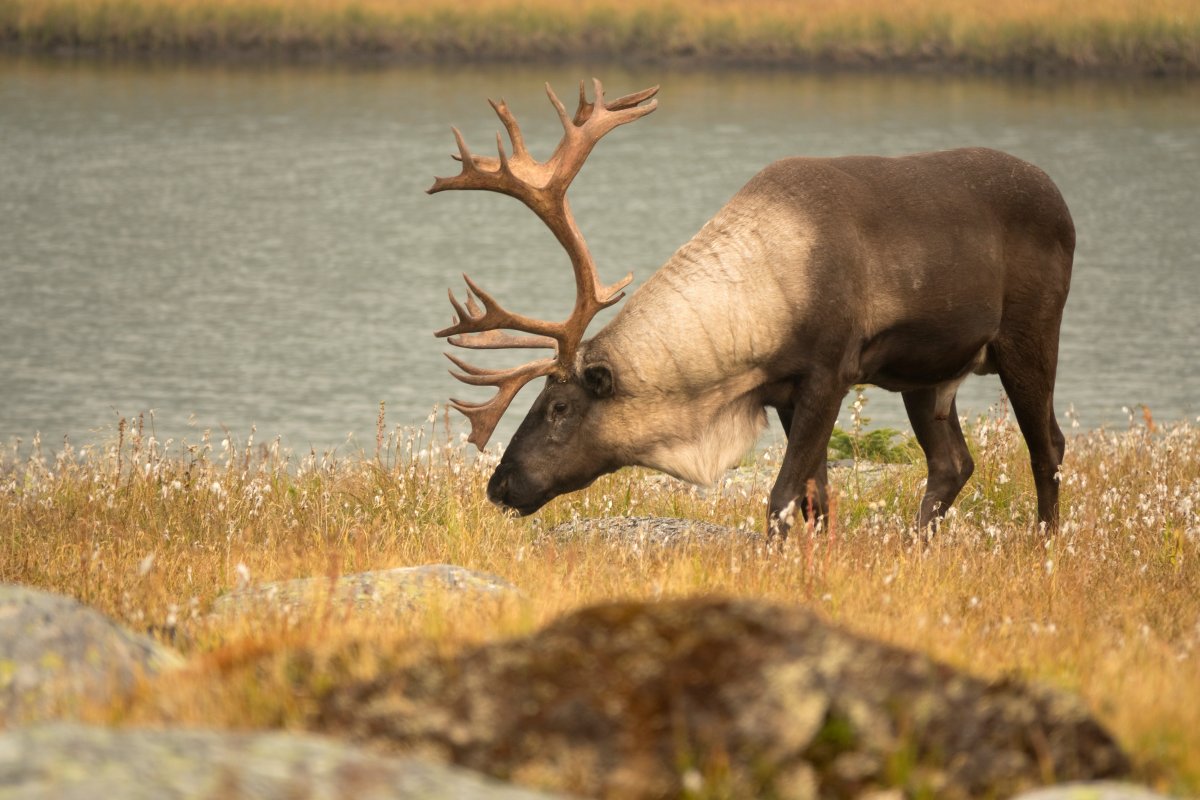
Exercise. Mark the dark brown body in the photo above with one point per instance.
(962, 261)
(908, 273)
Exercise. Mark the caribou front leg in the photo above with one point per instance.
(811, 424)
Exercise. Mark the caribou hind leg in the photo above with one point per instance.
(1027, 370)
(946, 455)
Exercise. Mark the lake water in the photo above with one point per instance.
(237, 247)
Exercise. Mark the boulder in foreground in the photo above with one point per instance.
(56, 652)
(739, 698)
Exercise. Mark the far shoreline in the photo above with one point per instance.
(1017, 67)
(1014, 67)
(1017, 38)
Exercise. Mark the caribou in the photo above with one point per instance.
(908, 273)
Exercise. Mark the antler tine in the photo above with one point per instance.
(610, 295)
(485, 416)
(498, 340)
(584, 112)
(482, 376)
(631, 100)
(514, 130)
(584, 109)
(622, 110)
(464, 153)
(472, 319)
(568, 123)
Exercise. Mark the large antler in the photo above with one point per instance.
(543, 187)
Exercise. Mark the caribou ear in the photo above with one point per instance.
(598, 380)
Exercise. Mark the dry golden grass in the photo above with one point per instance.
(1143, 36)
(152, 533)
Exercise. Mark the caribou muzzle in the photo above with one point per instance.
(512, 487)
(508, 489)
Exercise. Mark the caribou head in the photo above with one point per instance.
(544, 458)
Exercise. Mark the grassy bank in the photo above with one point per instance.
(152, 533)
(1012, 36)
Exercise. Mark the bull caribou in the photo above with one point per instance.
(908, 273)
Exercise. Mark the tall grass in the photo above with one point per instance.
(1148, 36)
(152, 532)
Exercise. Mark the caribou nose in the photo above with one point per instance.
(497, 490)
(510, 490)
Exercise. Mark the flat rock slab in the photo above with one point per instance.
(647, 532)
(400, 590)
(724, 698)
(74, 762)
(55, 651)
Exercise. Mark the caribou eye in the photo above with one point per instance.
(559, 408)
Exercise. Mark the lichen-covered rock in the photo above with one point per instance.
(56, 652)
(74, 762)
(390, 591)
(730, 698)
(645, 532)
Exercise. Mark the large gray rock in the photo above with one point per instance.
(723, 698)
(391, 591)
(56, 652)
(74, 762)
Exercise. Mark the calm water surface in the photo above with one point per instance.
(234, 248)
